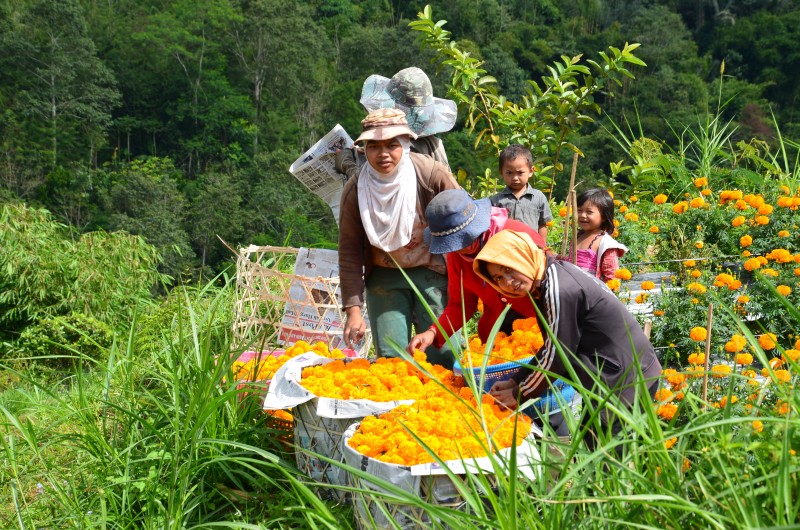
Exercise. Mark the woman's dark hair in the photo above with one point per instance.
(601, 198)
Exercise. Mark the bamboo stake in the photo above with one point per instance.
(569, 202)
(567, 217)
(574, 253)
(648, 326)
(708, 353)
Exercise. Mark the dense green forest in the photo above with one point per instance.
(177, 121)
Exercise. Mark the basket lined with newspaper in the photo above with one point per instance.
(286, 294)
(395, 450)
(327, 395)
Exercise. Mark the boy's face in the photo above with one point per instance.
(516, 173)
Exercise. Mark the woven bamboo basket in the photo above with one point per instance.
(275, 307)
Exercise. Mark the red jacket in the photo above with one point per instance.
(464, 288)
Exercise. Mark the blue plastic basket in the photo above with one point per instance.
(548, 401)
(495, 372)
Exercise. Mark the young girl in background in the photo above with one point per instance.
(598, 252)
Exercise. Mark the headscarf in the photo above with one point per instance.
(515, 250)
(388, 202)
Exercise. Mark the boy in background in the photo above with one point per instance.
(523, 202)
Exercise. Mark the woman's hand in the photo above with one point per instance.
(421, 341)
(354, 326)
(505, 393)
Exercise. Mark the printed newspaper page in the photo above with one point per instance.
(314, 311)
(317, 171)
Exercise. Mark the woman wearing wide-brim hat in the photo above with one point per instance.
(459, 226)
(381, 224)
(409, 90)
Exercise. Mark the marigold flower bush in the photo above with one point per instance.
(525, 340)
(449, 427)
(386, 379)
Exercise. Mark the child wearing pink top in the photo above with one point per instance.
(598, 253)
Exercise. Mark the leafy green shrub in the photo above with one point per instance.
(56, 341)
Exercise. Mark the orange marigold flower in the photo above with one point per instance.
(765, 209)
(613, 284)
(663, 395)
(697, 202)
(697, 358)
(783, 233)
(562, 212)
(782, 408)
(785, 290)
(746, 253)
(633, 198)
(630, 216)
(695, 273)
(758, 426)
(770, 272)
(742, 299)
(720, 370)
(623, 209)
(669, 444)
(623, 274)
(699, 244)
(694, 301)
(744, 358)
(653, 229)
(781, 255)
(796, 271)
(736, 344)
(696, 287)
(667, 411)
(738, 221)
(641, 298)
(658, 313)
(768, 341)
(784, 189)
(660, 198)
(741, 205)
(700, 182)
(752, 264)
(647, 285)
(706, 192)
(680, 207)
(746, 240)
(698, 333)
(689, 263)
(791, 354)
(762, 220)
(782, 376)
(675, 378)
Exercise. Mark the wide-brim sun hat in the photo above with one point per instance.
(383, 124)
(410, 90)
(455, 220)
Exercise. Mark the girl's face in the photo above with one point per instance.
(589, 217)
(384, 155)
(509, 280)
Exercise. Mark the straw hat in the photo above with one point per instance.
(383, 124)
(410, 90)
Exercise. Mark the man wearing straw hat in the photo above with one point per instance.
(409, 90)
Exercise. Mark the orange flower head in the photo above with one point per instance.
(660, 198)
(653, 229)
(623, 274)
(768, 341)
(720, 370)
(647, 285)
(698, 334)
